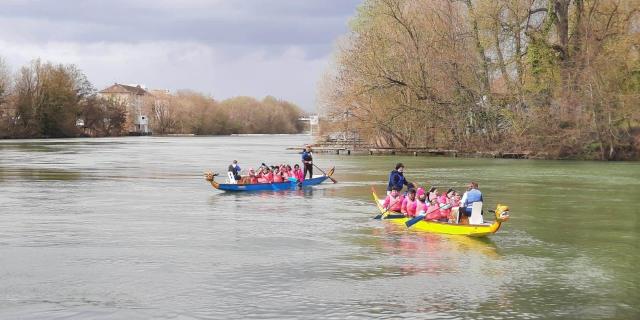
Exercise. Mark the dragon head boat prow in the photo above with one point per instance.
(209, 176)
(502, 212)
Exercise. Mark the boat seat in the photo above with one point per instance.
(456, 212)
(476, 213)
(231, 178)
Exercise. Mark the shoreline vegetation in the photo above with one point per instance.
(46, 100)
(556, 79)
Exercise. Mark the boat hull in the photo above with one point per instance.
(289, 185)
(479, 230)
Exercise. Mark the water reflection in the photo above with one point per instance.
(261, 195)
(416, 253)
(38, 174)
(432, 243)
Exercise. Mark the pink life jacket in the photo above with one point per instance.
(252, 177)
(433, 212)
(421, 207)
(409, 207)
(395, 203)
(298, 174)
(445, 206)
(277, 178)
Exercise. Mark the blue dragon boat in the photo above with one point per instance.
(287, 185)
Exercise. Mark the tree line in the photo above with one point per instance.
(558, 78)
(54, 100)
(189, 112)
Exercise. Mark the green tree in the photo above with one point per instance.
(48, 99)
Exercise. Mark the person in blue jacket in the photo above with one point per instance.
(307, 161)
(472, 195)
(397, 179)
(234, 168)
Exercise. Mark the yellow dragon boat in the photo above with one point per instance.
(474, 230)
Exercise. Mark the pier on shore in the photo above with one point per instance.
(362, 149)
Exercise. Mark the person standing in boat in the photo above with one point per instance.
(234, 168)
(307, 161)
(397, 179)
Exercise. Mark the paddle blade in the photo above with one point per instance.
(413, 221)
(332, 179)
(378, 217)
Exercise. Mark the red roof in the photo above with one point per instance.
(123, 88)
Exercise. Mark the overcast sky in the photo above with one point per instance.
(220, 47)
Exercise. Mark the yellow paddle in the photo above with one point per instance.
(386, 211)
(327, 175)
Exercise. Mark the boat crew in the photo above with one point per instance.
(286, 172)
(396, 179)
(253, 178)
(277, 176)
(432, 194)
(455, 207)
(421, 204)
(234, 168)
(445, 207)
(409, 204)
(307, 161)
(297, 173)
(393, 202)
(266, 176)
(433, 210)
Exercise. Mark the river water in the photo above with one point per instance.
(126, 228)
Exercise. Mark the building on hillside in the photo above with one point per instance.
(313, 122)
(134, 97)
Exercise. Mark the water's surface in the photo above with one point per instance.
(127, 228)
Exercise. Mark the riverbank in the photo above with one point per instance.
(432, 152)
(359, 147)
(375, 151)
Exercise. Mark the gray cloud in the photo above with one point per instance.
(255, 22)
(222, 47)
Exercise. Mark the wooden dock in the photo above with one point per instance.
(413, 151)
(349, 149)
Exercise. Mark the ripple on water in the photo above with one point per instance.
(127, 228)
